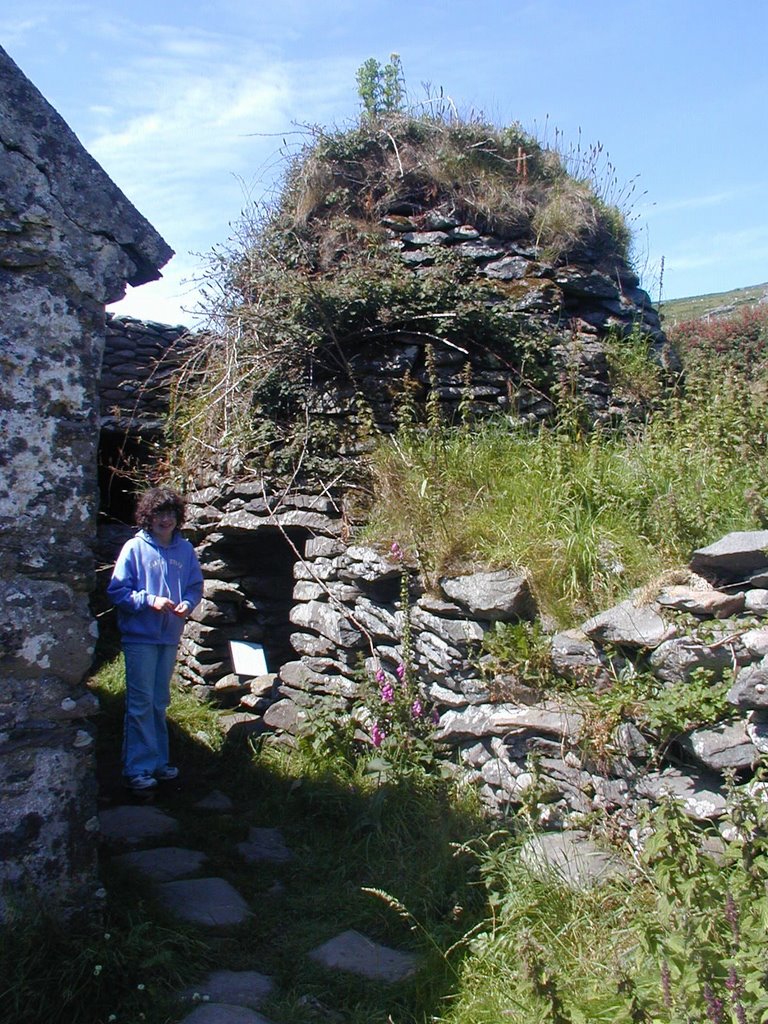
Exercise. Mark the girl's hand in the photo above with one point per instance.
(163, 604)
(182, 609)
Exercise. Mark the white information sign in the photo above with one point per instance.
(248, 659)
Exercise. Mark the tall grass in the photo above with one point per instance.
(588, 516)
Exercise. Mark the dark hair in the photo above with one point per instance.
(159, 499)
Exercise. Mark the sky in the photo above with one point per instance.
(192, 108)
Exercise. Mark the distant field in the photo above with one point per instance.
(719, 303)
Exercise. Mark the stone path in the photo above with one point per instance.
(138, 837)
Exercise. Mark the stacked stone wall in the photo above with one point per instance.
(141, 360)
(566, 309)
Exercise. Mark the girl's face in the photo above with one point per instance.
(162, 525)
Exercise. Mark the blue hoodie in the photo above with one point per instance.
(145, 569)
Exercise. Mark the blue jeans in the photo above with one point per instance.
(148, 671)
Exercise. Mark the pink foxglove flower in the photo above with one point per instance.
(400, 672)
(377, 735)
(387, 693)
(417, 709)
(380, 677)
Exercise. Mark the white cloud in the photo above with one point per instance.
(189, 129)
(171, 300)
(648, 210)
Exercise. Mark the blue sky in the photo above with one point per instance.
(187, 104)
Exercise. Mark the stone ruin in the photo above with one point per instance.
(283, 566)
(70, 242)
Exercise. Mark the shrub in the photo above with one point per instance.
(739, 341)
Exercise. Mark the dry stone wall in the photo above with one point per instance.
(565, 311)
(141, 359)
(69, 243)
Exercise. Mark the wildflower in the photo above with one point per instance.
(141, 987)
(377, 735)
(435, 717)
(732, 917)
(400, 672)
(387, 693)
(380, 676)
(714, 1005)
(417, 709)
(666, 986)
(97, 970)
(735, 987)
(396, 551)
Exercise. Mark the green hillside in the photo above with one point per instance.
(719, 303)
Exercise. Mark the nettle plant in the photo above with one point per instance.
(708, 932)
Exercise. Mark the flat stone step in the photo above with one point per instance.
(351, 951)
(211, 902)
(572, 857)
(221, 1013)
(164, 864)
(234, 988)
(265, 844)
(134, 823)
(216, 801)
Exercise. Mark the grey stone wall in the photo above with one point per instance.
(141, 359)
(69, 243)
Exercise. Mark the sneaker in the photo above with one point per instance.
(167, 774)
(141, 782)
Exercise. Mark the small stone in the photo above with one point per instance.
(265, 844)
(215, 801)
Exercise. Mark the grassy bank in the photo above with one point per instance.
(589, 515)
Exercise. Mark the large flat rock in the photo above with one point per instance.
(212, 902)
(353, 952)
(726, 745)
(572, 857)
(233, 988)
(737, 554)
(222, 1013)
(163, 864)
(628, 625)
(701, 796)
(134, 823)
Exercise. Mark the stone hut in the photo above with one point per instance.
(70, 242)
(285, 566)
